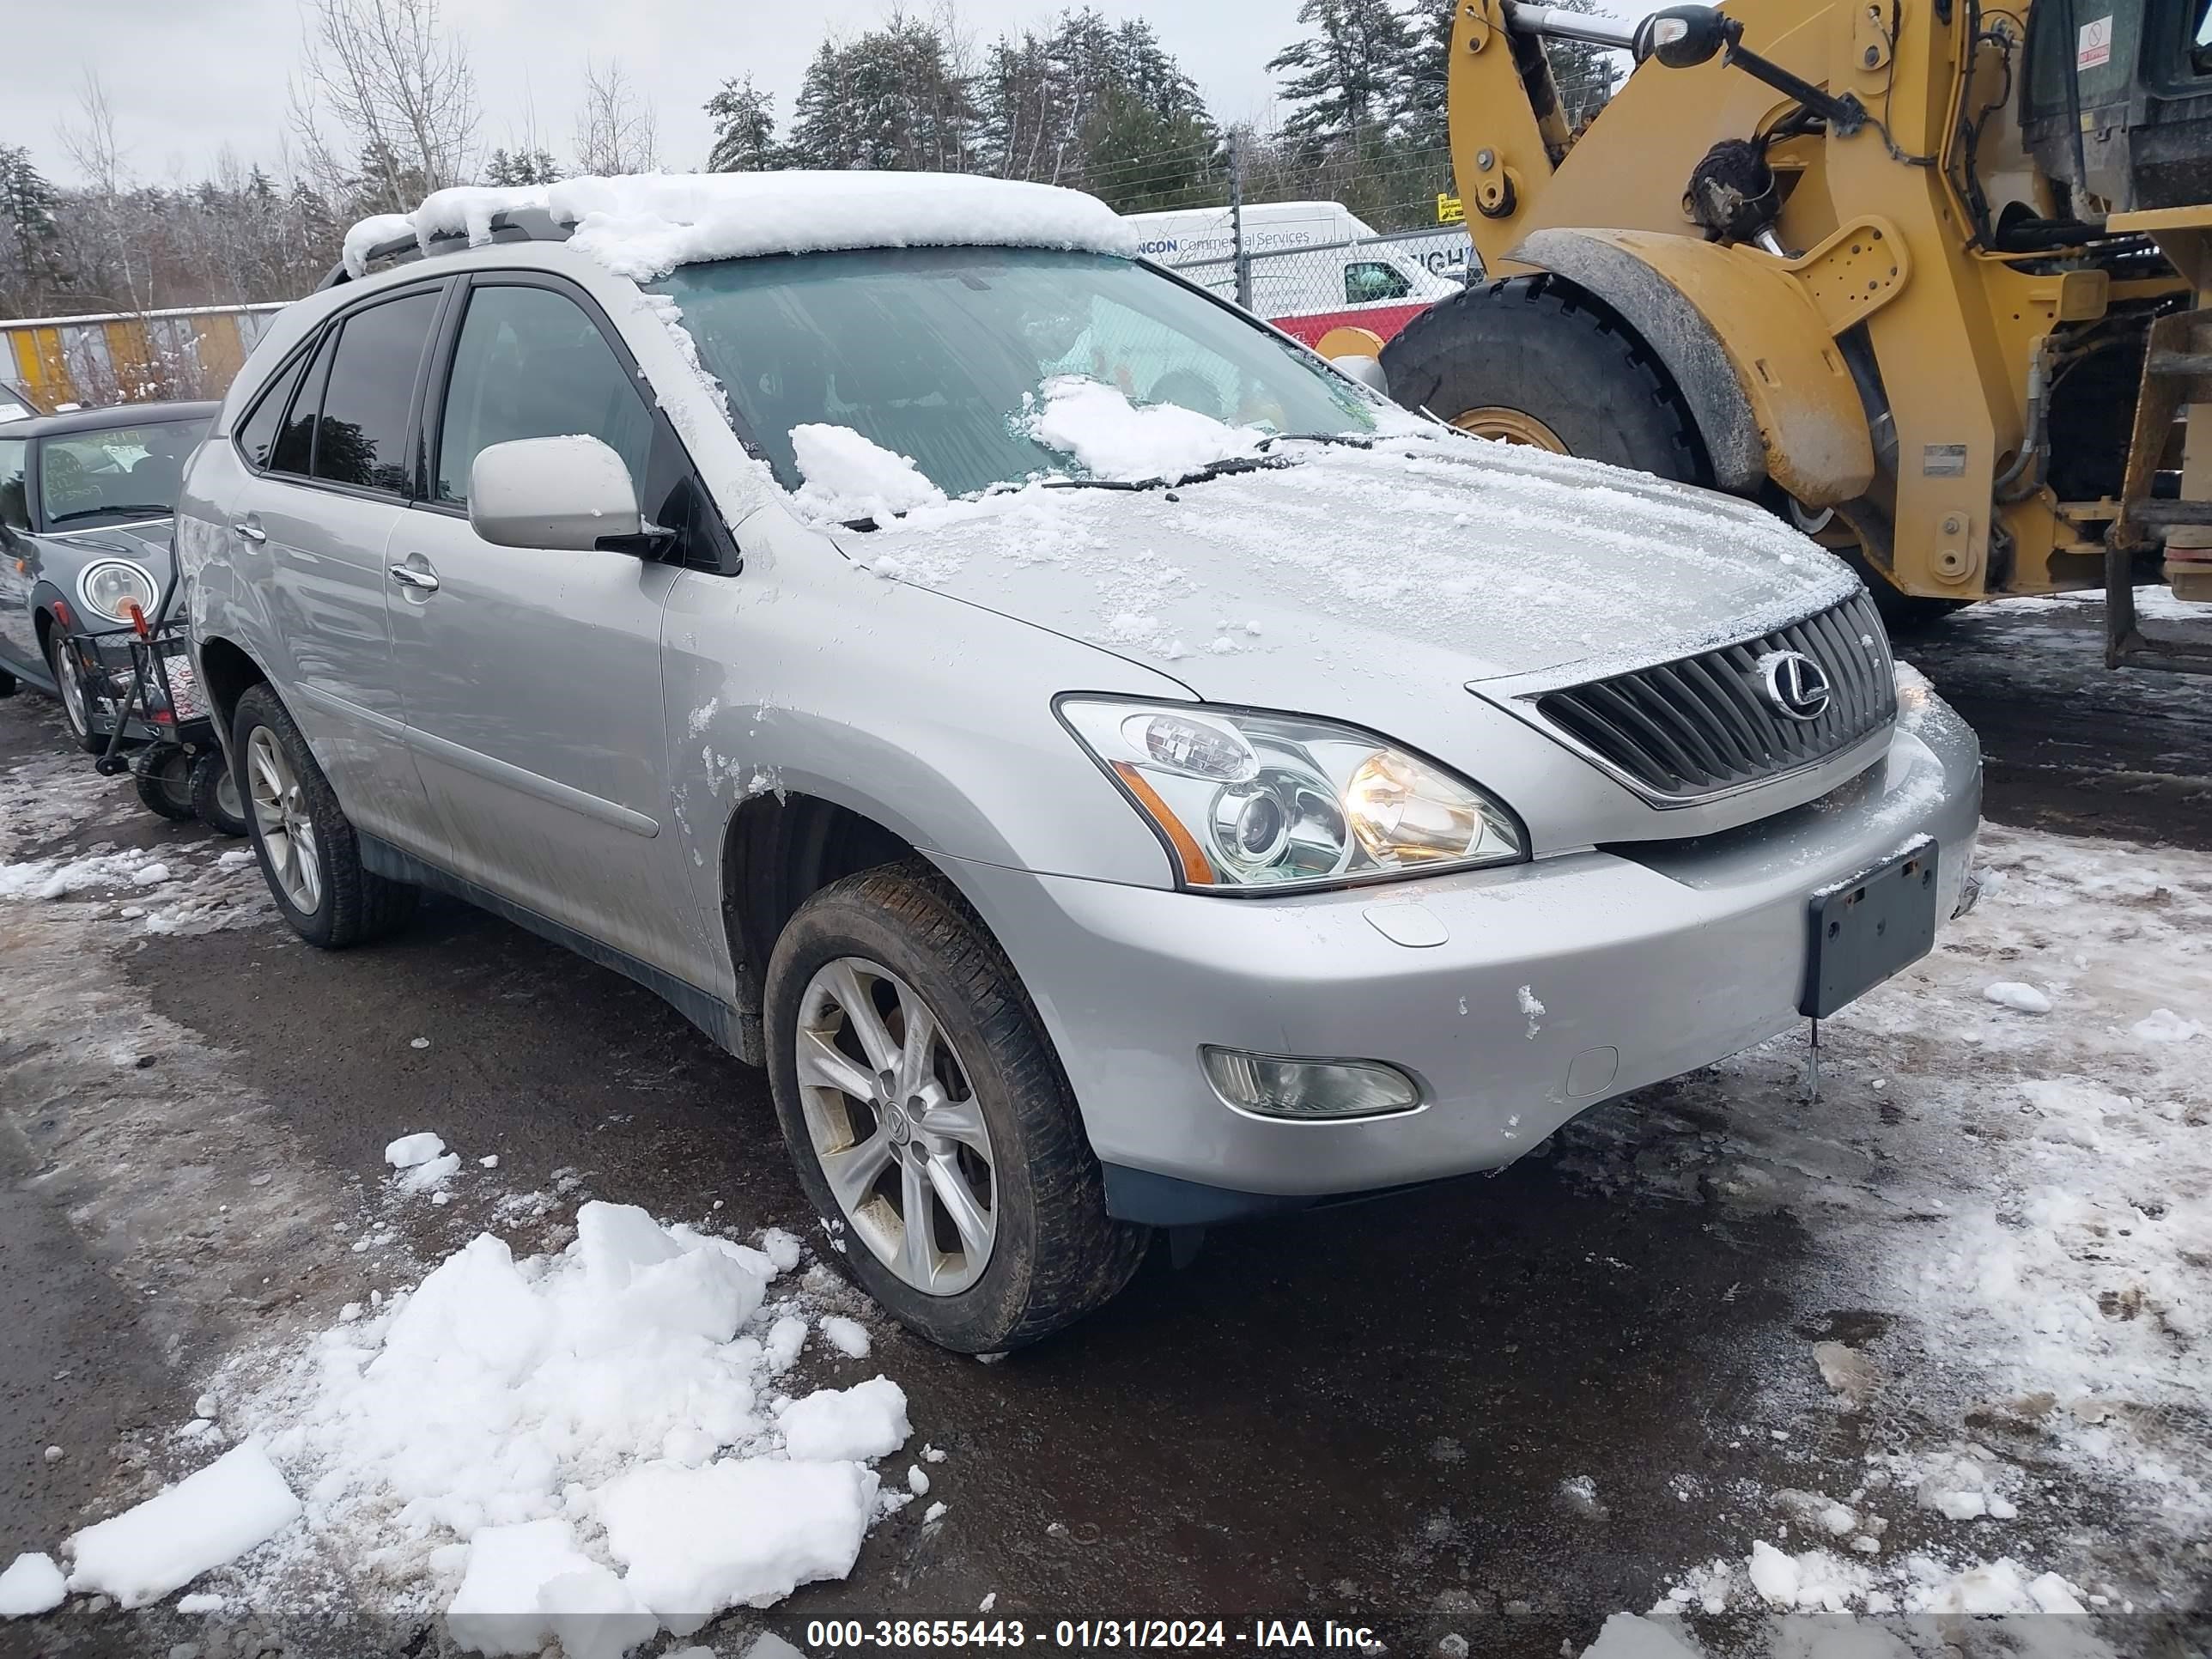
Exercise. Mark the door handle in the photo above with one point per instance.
(253, 533)
(423, 581)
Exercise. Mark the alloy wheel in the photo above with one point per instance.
(895, 1126)
(74, 710)
(280, 812)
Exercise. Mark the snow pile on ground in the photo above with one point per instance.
(420, 1162)
(848, 476)
(205, 1520)
(31, 1583)
(593, 1444)
(1109, 437)
(644, 226)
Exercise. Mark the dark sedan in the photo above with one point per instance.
(85, 500)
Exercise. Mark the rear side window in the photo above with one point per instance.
(531, 363)
(256, 432)
(295, 443)
(362, 436)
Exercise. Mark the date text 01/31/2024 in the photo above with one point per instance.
(1255, 1636)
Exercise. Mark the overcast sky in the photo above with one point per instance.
(189, 76)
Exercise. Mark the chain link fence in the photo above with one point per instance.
(1293, 265)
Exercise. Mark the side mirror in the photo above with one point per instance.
(1683, 36)
(568, 494)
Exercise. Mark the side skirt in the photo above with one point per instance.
(732, 1030)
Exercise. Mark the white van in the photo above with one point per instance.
(1315, 265)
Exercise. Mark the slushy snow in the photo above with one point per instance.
(205, 1520)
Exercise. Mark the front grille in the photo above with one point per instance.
(1704, 725)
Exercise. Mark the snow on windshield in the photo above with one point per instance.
(848, 477)
(644, 226)
(1109, 437)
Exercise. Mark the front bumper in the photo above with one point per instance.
(1558, 984)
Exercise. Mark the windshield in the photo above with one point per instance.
(939, 354)
(87, 478)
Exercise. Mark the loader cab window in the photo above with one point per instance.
(1368, 280)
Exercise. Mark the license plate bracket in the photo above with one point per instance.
(1863, 930)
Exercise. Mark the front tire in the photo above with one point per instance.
(215, 800)
(163, 774)
(1534, 360)
(76, 716)
(307, 846)
(933, 1128)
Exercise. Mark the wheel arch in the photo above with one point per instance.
(227, 671)
(1752, 359)
(1675, 332)
(778, 849)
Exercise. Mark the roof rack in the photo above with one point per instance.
(532, 224)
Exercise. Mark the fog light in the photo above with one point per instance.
(1276, 1085)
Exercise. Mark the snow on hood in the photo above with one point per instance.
(643, 226)
(1483, 559)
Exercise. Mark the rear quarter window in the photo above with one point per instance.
(362, 438)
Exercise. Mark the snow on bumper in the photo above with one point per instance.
(1555, 985)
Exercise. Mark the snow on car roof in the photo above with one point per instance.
(643, 226)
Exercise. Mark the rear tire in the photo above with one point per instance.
(1052, 1254)
(215, 801)
(309, 853)
(1538, 348)
(163, 774)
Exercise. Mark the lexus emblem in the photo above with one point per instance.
(1795, 684)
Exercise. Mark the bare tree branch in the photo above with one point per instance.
(616, 131)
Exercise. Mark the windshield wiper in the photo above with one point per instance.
(157, 510)
(1349, 440)
(1220, 469)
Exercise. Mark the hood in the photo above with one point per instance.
(146, 543)
(1445, 559)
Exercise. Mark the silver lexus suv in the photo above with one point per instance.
(1115, 771)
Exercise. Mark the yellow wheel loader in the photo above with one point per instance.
(1929, 277)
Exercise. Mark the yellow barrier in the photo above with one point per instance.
(127, 357)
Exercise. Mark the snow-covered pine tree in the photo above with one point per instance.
(1349, 79)
(744, 128)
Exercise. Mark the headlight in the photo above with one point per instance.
(111, 586)
(1252, 802)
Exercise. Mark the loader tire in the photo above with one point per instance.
(1535, 359)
